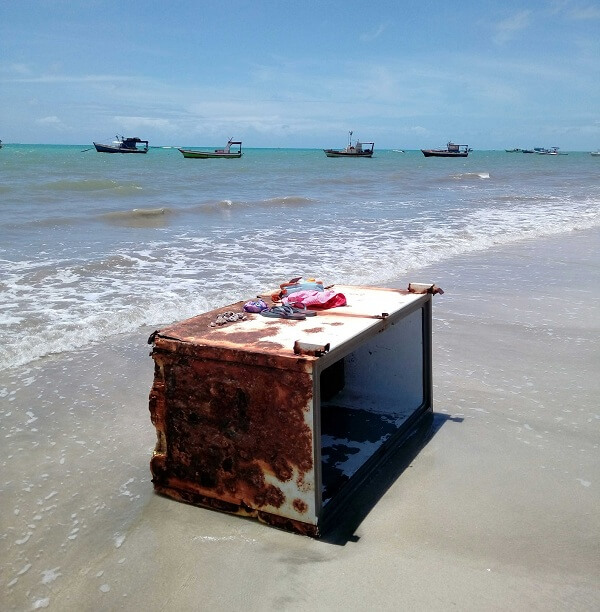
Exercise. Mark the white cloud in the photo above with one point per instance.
(373, 34)
(51, 121)
(585, 13)
(23, 71)
(144, 122)
(18, 68)
(506, 29)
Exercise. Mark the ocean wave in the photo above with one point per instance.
(218, 205)
(139, 217)
(227, 205)
(89, 330)
(288, 201)
(467, 176)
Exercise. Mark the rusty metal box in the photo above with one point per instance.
(279, 419)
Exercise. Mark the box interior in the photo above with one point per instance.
(366, 396)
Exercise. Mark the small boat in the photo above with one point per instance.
(595, 153)
(1, 145)
(123, 145)
(513, 150)
(550, 151)
(225, 153)
(451, 150)
(352, 150)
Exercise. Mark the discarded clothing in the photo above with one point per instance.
(316, 299)
(288, 289)
(257, 305)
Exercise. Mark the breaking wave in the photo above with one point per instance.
(467, 176)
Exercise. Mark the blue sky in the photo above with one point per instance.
(301, 74)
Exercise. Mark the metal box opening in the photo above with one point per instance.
(366, 398)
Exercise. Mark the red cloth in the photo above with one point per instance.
(316, 299)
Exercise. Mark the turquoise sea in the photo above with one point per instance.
(94, 245)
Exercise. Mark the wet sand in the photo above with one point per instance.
(496, 510)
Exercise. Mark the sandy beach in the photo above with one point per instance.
(496, 510)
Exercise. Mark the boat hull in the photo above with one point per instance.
(333, 153)
(103, 148)
(441, 153)
(209, 154)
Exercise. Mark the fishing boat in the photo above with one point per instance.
(225, 153)
(550, 151)
(123, 145)
(451, 150)
(358, 149)
(595, 153)
(513, 150)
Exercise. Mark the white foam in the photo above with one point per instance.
(24, 569)
(50, 575)
(24, 539)
(118, 540)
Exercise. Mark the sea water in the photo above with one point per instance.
(95, 245)
(98, 250)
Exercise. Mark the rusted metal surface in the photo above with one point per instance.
(233, 432)
(237, 407)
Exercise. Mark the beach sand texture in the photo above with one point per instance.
(498, 510)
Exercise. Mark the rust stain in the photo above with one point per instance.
(200, 324)
(197, 499)
(300, 506)
(221, 427)
(314, 330)
(243, 337)
(289, 524)
(284, 358)
(255, 340)
(302, 485)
